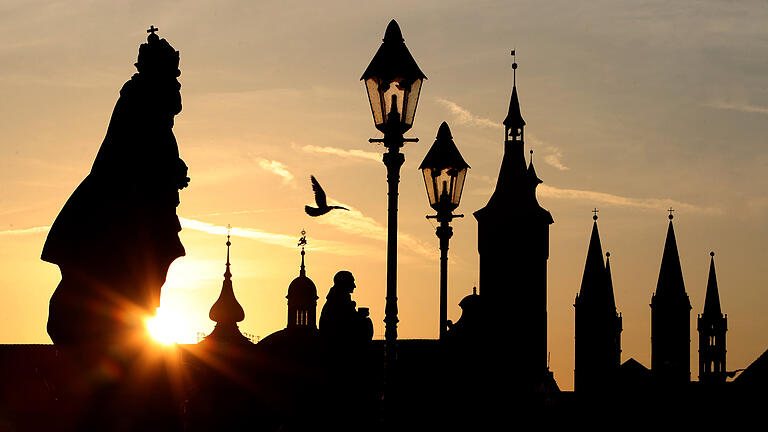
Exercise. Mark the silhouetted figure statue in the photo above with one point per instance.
(320, 199)
(117, 234)
(340, 320)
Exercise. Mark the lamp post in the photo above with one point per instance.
(393, 82)
(444, 172)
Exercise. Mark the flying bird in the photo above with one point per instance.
(322, 205)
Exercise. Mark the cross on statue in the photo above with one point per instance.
(595, 211)
(152, 29)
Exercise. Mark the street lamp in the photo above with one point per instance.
(393, 83)
(444, 172)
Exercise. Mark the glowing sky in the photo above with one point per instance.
(631, 108)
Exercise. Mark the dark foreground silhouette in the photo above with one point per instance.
(118, 233)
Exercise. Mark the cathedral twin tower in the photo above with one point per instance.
(598, 324)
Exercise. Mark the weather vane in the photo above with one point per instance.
(302, 240)
(514, 69)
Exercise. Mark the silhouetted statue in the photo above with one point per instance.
(117, 234)
(340, 320)
(320, 199)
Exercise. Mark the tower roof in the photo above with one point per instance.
(670, 282)
(514, 118)
(593, 280)
(712, 300)
(532, 173)
(227, 311)
(302, 288)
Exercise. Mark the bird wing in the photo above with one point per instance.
(319, 193)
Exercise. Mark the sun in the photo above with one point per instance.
(166, 328)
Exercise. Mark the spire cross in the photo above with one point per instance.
(514, 69)
(670, 213)
(595, 211)
(227, 273)
(152, 29)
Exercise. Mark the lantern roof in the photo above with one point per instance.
(443, 152)
(393, 60)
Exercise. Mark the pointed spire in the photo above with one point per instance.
(712, 300)
(227, 310)
(594, 270)
(609, 279)
(514, 119)
(302, 243)
(532, 172)
(670, 274)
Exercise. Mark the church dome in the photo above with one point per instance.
(302, 288)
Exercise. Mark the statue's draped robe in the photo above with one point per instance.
(117, 234)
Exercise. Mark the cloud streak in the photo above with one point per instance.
(278, 168)
(553, 155)
(749, 108)
(283, 240)
(352, 154)
(356, 223)
(462, 115)
(25, 231)
(621, 201)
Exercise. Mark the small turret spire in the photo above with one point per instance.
(227, 311)
(514, 122)
(712, 299)
(302, 243)
(227, 273)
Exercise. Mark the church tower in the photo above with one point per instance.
(302, 297)
(227, 312)
(670, 319)
(712, 325)
(513, 243)
(598, 325)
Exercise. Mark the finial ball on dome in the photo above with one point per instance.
(712, 253)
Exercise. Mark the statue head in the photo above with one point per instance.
(158, 66)
(345, 280)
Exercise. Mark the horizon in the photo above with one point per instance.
(629, 109)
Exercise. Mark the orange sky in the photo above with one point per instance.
(630, 109)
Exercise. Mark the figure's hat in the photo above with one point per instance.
(157, 57)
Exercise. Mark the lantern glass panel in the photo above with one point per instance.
(374, 97)
(444, 186)
(412, 99)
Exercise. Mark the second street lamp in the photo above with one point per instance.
(444, 172)
(393, 82)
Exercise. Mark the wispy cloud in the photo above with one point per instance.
(621, 201)
(553, 156)
(359, 154)
(277, 168)
(25, 231)
(462, 115)
(739, 107)
(283, 240)
(356, 223)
